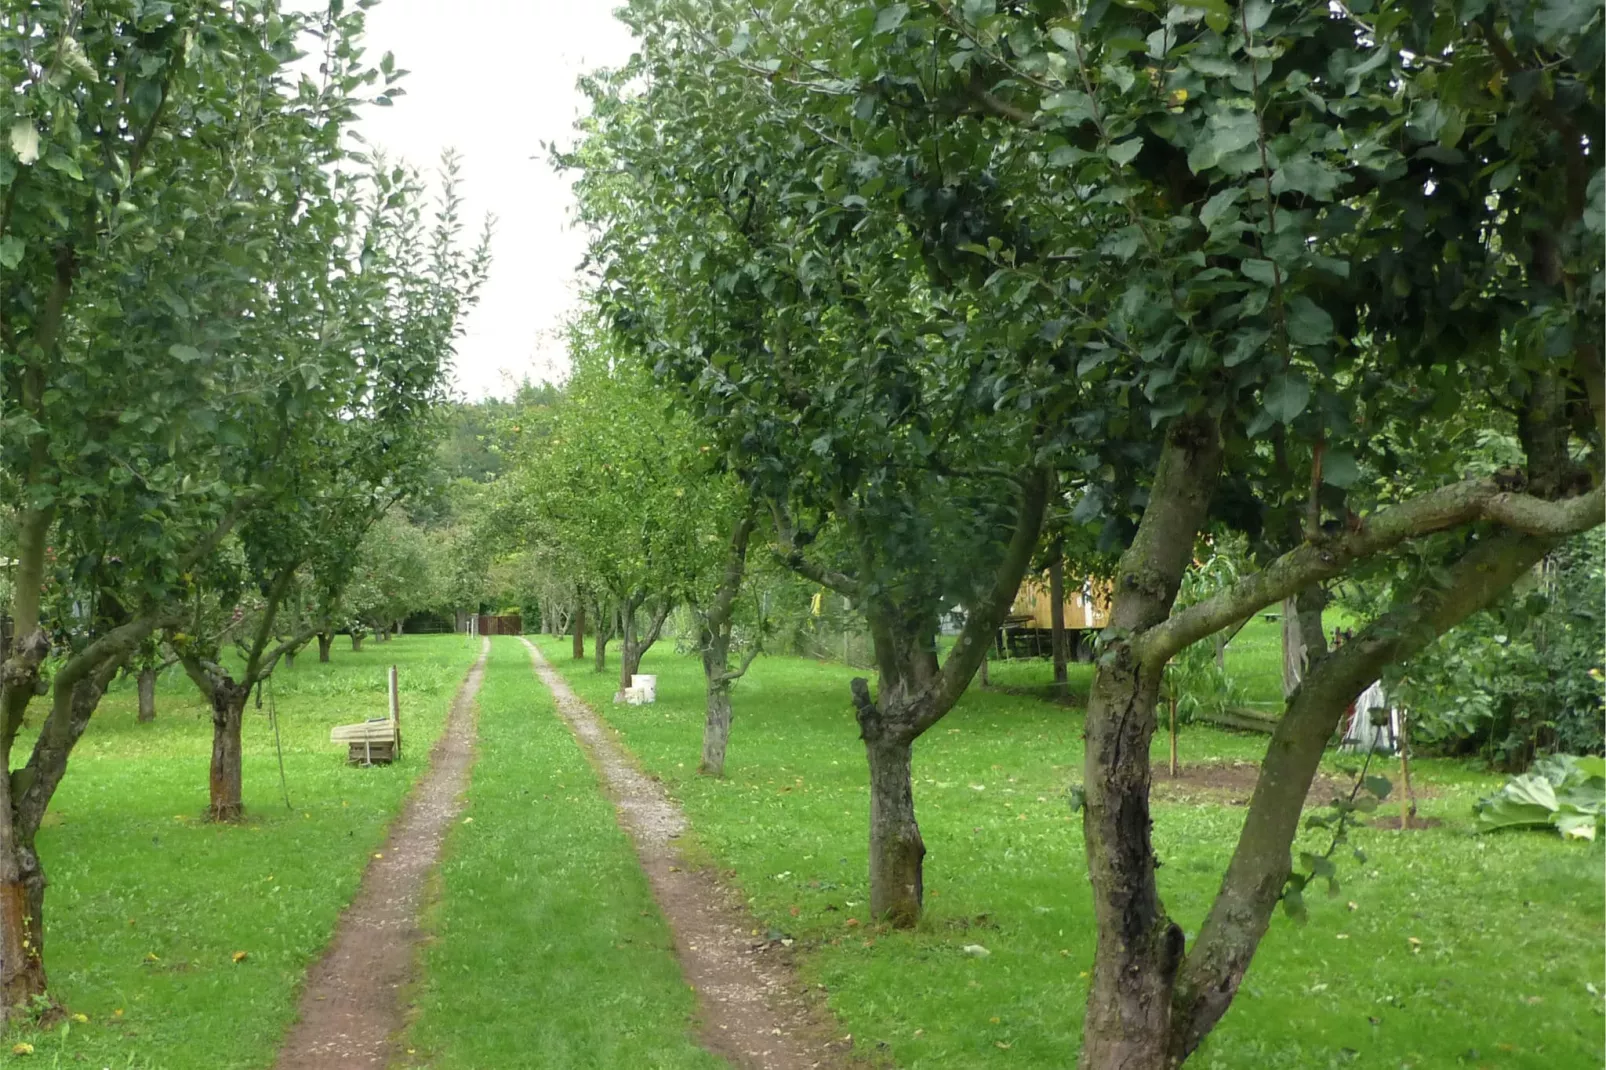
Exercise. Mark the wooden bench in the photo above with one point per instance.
(376, 741)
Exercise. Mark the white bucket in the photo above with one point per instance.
(647, 686)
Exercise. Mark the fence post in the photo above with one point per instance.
(395, 711)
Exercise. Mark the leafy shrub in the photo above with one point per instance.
(1563, 792)
(1523, 678)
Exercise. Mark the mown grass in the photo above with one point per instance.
(547, 950)
(148, 903)
(1254, 659)
(1509, 926)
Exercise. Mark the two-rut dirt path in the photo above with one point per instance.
(752, 1011)
(351, 1008)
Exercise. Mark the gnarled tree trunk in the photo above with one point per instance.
(25, 793)
(356, 641)
(580, 632)
(226, 782)
(897, 853)
(147, 696)
(600, 641)
(1138, 948)
(716, 730)
(715, 641)
(914, 692)
(325, 641)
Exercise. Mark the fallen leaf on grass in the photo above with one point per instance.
(238, 956)
(851, 922)
(1006, 1045)
(81, 1019)
(976, 950)
(22, 1049)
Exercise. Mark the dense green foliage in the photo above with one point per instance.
(1523, 678)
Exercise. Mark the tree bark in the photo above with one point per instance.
(897, 852)
(1303, 634)
(1056, 594)
(1295, 651)
(25, 793)
(716, 729)
(325, 641)
(604, 632)
(356, 641)
(226, 783)
(1139, 949)
(580, 632)
(715, 641)
(147, 696)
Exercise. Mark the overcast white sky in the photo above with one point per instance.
(494, 79)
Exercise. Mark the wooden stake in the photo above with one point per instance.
(1173, 737)
(1407, 797)
(395, 711)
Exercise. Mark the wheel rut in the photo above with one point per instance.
(752, 1010)
(351, 1011)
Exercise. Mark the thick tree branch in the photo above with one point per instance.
(1261, 863)
(790, 555)
(1435, 511)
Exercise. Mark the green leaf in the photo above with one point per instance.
(25, 141)
(1308, 323)
(1339, 468)
(1125, 152)
(1305, 174)
(11, 250)
(1262, 271)
(1286, 396)
(891, 17)
(1226, 133)
(1378, 785)
(1219, 205)
(183, 353)
(65, 164)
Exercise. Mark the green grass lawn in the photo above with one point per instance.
(148, 903)
(1510, 926)
(1254, 658)
(547, 948)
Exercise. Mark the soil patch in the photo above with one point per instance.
(753, 1011)
(351, 1008)
(1232, 783)
(1417, 823)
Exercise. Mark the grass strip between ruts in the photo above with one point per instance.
(547, 949)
